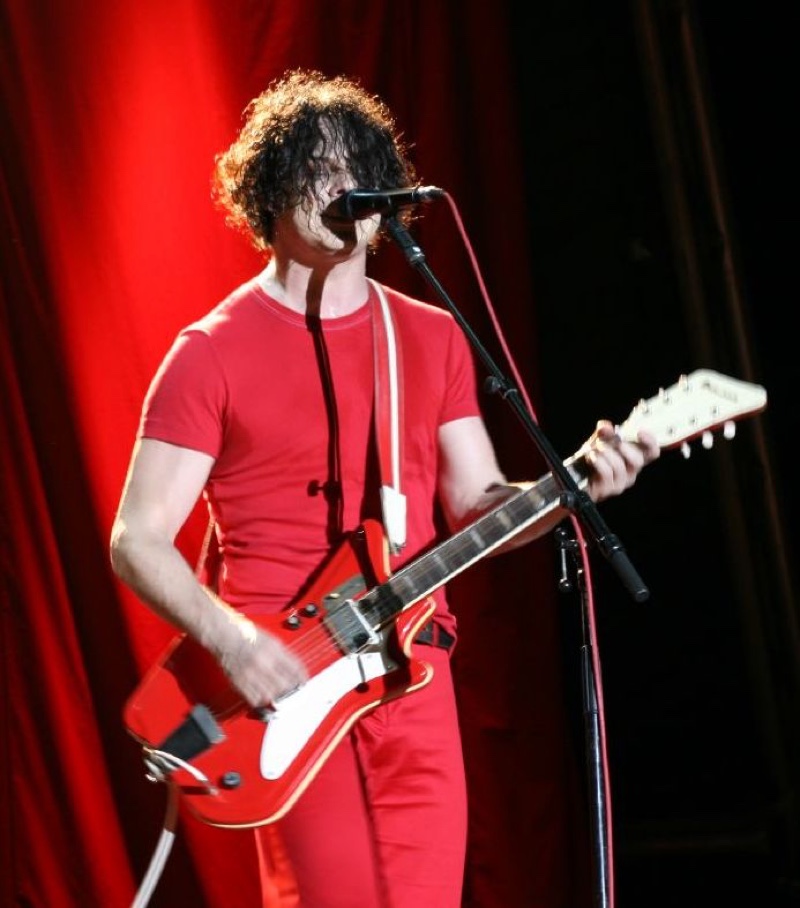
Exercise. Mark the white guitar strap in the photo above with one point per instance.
(388, 418)
(388, 413)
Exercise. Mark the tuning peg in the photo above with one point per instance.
(729, 430)
(707, 440)
(686, 450)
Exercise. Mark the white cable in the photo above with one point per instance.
(161, 853)
(160, 763)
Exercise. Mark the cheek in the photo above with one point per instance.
(304, 216)
(307, 224)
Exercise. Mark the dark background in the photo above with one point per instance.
(659, 183)
(646, 234)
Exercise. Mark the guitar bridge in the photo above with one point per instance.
(349, 627)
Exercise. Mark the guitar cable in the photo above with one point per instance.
(160, 854)
(159, 764)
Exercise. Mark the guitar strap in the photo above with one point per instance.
(393, 502)
(388, 419)
(389, 438)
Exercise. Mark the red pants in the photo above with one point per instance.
(384, 823)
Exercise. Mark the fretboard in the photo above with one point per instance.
(449, 558)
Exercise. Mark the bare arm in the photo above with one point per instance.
(163, 484)
(471, 482)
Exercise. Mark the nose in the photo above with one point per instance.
(342, 181)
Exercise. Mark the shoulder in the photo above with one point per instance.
(238, 308)
(433, 342)
(427, 316)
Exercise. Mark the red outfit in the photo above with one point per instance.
(284, 405)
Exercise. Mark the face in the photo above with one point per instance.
(306, 232)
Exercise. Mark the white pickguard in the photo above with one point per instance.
(295, 717)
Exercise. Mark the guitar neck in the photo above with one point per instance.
(449, 558)
(693, 406)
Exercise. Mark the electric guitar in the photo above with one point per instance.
(241, 767)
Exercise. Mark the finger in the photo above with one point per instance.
(649, 444)
(606, 431)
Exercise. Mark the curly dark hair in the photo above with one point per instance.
(280, 150)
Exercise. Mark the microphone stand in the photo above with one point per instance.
(574, 499)
(568, 546)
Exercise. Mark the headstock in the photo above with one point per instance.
(694, 407)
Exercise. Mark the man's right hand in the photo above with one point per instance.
(260, 666)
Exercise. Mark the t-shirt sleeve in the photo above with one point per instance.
(461, 398)
(186, 402)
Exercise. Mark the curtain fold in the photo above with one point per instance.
(112, 115)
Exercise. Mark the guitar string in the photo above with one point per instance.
(316, 646)
(311, 649)
(319, 642)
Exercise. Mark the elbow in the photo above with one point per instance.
(119, 549)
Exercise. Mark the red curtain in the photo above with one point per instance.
(112, 113)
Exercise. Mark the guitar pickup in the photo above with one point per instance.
(349, 627)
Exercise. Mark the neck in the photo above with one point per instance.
(331, 293)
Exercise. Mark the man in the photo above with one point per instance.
(266, 407)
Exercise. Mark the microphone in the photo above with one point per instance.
(363, 203)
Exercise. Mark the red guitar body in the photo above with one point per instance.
(253, 765)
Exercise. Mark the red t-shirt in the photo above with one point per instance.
(244, 384)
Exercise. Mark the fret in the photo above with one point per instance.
(434, 568)
(430, 571)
